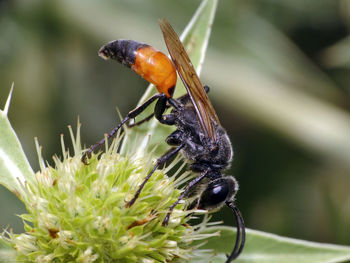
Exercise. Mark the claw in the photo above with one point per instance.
(84, 159)
(130, 203)
(166, 220)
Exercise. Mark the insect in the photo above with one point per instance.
(198, 135)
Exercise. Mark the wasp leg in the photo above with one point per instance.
(198, 167)
(160, 161)
(159, 109)
(132, 114)
(175, 103)
(140, 122)
(174, 139)
(184, 193)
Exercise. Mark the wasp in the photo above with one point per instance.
(199, 135)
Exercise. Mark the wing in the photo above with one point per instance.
(204, 110)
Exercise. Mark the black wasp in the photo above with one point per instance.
(199, 135)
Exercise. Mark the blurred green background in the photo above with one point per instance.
(279, 78)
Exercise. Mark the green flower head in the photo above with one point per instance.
(77, 212)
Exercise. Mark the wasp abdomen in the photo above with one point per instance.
(151, 64)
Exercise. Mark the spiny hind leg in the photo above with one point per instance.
(132, 114)
(160, 162)
(184, 193)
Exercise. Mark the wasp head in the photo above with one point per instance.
(217, 192)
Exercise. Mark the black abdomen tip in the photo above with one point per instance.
(124, 51)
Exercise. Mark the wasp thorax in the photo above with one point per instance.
(217, 192)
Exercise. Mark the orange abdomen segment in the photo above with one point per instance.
(156, 68)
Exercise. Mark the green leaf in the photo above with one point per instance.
(14, 166)
(264, 247)
(195, 39)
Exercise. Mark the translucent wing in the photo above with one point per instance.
(204, 110)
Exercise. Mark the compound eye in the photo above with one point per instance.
(215, 194)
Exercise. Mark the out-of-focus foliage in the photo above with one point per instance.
(279, 78)
(269, 248)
